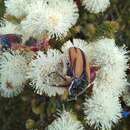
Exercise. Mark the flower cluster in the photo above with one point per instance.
(96, 6)
(13, 69)
(103, 108)
(9, 28)
(44, 72)
(52, 18)
(46, 69)
(112, 68)
(17, 8)
(66, 121)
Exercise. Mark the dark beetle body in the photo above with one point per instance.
(78, 69)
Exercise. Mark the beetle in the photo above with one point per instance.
(78, 69)
(80, 74)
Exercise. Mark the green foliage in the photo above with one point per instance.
(2, 8)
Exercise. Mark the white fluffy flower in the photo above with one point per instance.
(53, 17)
(44, 73)
(9, 28)
(13, 68)
(96, 6)
(66, 121)
(102, 110)
(78, 43)
(113, 63)
(17, 8)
